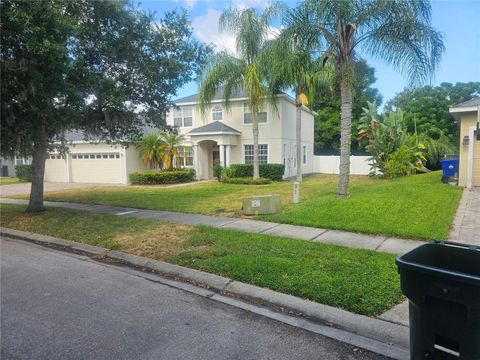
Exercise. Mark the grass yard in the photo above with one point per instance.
(418, 207)
(362, 281)
(8, 181)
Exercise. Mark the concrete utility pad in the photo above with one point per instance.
(294, 231)
(253, 226)
(354, 240)
(398, 246)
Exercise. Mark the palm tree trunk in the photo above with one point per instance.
(256, 167)
(345, 140)
(39, 156)
(299, 141)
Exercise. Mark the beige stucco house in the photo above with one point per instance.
(468, 115)
(226, 134)
(219, 134)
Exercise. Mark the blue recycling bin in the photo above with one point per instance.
(449, 167)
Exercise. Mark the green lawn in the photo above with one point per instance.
(362, 281)
(418, 206)
(8, 181)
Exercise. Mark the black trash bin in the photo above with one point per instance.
(442, 282)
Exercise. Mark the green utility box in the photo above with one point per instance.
(261, 205)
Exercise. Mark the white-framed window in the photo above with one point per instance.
(248, 117)
(185, 156)
(262, 153)
(182, 117)
(91, 156)
(304, 154)
(19, 160)
(217, 113)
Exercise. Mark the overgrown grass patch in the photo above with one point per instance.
(361, 281)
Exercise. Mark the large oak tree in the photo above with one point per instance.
(103, 67)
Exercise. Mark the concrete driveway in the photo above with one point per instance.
(59, 305)
(466, 225)
(24, 188)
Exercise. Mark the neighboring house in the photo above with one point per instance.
(226, 135)
(468, 114)
(7, 165)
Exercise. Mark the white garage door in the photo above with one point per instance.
(55, 168)
(96, 168)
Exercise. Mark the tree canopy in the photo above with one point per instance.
(104, 67)
(427, 108)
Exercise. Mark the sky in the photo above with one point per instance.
(457, 20)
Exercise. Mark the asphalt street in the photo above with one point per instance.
(57, 305)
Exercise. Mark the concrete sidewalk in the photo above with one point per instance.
(343, 238)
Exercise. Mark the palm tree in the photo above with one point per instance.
(288, 60)
(242, 71)
(396, 31)
(170, 144)
(149, 148)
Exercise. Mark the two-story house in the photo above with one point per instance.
(219, 134)
(225, 135)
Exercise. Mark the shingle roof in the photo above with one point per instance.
(213, 127)
(219, 95)
(473, 102)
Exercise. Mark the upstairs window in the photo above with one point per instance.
(248, 116)
(262, 154)
(217, 113)
(20, 160)
(182, 117)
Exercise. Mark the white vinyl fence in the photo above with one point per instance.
(328, 164)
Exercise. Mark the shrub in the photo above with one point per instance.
(24, 172)
(246, 181)
(217, 170)
(162, 177)
(405, 161)
(270, 171)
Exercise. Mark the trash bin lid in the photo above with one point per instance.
(460, 262)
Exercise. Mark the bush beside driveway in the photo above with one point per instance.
(418, 207)
(362, 281)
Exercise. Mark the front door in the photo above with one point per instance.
(215, 159)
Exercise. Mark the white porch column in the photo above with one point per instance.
(222, 155)
(195, 161)
(227, 154)
(67, 167)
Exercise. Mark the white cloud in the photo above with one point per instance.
(243, 4)
(205, 27)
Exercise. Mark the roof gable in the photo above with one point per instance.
(213, 127)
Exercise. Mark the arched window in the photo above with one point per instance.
(217, 113)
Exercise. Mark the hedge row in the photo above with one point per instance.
(162, 177)
(247, 181)
(24, 172)
(270, 171)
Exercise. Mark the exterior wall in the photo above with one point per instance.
(330, 164)
(133, 163)
(289, 145)
(10, 164)
(278, 133)
(467, 121)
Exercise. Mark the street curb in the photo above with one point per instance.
(386, 338)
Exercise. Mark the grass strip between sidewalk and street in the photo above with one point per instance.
(361, 281)
(9, 181)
